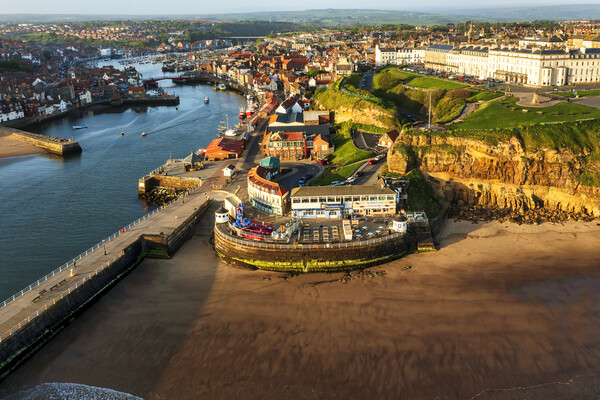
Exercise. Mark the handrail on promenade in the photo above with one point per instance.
(88, 251)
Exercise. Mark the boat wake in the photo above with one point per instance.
(70, 391)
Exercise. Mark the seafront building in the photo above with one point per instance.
(528, 66)
(532, 66)
(341, 201)
(265, 195)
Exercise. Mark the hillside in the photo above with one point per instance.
(358, 109)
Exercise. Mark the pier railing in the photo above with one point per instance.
(31, 317)
(72, 262)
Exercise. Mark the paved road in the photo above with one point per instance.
(299, 169)
(590, 101)
(366, 81)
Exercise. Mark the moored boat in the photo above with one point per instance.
(242, 113)
(79, 126)
(206, 100)
(144, 133)
(222, 86)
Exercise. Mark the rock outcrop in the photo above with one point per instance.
(469, 172)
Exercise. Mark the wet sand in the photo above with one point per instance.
(498, 307)
(11, 146)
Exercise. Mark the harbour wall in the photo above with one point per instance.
(310, 257)
(34, 331)
(149, 182)
(61, 147)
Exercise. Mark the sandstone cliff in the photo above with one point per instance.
(470, 172)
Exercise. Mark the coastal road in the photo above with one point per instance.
(299, 169)
(366, 81)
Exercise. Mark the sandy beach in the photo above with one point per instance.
(501, 311)
(11, 147)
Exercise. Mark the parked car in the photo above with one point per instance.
(351, 179)
(301, 181)
(359, 174)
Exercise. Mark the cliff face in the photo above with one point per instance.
(470, 172)
(368, 116)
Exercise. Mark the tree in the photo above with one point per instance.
(47, 55)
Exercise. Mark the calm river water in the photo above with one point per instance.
(53, 209)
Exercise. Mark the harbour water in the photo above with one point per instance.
(53, 209)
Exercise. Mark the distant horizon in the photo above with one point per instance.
(429, 6)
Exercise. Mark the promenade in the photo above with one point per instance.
(31, 303)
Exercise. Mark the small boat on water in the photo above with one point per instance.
(122, 133)
(79, 126)
(242, 113)
(222, 86)
(206, 100)
(144, 133)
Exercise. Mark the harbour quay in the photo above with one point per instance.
(61, 147)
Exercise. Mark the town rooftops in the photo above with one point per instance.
(440, 47)
(308, 130)
(226, 145)
(307, 191)
(315, 116)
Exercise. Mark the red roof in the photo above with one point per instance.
(255, 175)
(393, 135)
(225, 145)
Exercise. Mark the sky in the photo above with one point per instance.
(140, 7)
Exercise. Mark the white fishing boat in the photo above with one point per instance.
(222, 86)
(206, 100)
(79, 126)
(144, 133)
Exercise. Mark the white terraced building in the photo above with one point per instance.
(400, 56)
(531, 67)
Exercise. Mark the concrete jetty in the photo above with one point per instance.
(61, 147)
(32, 316)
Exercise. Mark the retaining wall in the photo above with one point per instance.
(147, 183)
(310, 258)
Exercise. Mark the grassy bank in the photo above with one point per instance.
(345, 151)
(506, 113)
(332, 174)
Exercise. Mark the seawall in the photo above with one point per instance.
(61, 147)
(310, 257)
(149, 182)
(45, 307)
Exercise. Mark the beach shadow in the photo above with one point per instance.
(125, 340)
(455, 231)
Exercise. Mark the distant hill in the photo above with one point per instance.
(325, 17)
(557, 12)
(350, 17)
